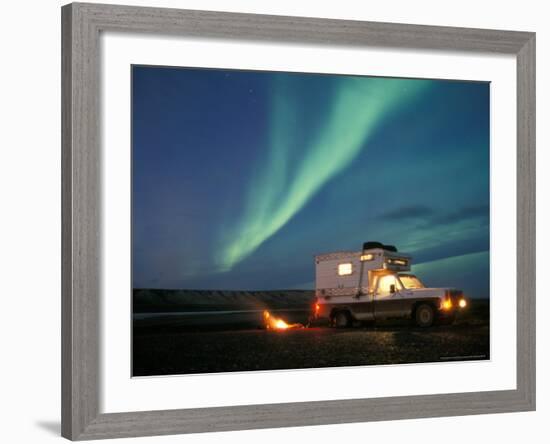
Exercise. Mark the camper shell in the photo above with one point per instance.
(375, 283)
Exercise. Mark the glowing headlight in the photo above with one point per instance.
(462, 303)
(447, 304)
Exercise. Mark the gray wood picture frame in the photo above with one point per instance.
(81, 234)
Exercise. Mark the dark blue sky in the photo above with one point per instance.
(239, 178)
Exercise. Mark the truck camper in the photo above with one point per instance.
(375, 284)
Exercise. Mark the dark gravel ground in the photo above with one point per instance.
(167, 347)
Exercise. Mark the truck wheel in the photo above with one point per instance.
(424, 315)
(342, 319)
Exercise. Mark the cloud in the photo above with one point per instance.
(447, 247)
(467, 272)
(430, 233)
(407, 212)
(428, 216)
(467, 212)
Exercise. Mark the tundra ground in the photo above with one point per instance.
(165, 344)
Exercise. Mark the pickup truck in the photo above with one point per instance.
(374, 284)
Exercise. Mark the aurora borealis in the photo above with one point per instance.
(283, 185)
(240, 177)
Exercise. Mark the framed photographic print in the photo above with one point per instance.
(279, 221)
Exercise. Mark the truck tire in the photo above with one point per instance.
(424, 315)
(342, 319)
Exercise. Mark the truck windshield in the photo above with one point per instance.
(409, 281)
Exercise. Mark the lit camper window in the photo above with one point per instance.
(367, 257)
(344, 269)
(398, 261)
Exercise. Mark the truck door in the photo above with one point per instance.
(387, 297)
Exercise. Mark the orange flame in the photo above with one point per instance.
(273, 323)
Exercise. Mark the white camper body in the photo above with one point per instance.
(332, 277)
(373, 284)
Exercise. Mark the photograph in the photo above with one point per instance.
(288, 220)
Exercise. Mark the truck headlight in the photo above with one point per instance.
(447, 304)
(462, 303)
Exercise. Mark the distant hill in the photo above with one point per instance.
(158, 300)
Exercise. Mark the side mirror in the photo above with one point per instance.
(392, 288)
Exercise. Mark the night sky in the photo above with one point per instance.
(240, 177)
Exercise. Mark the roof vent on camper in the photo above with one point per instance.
(372, 244)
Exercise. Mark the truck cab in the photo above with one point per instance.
(376, 284)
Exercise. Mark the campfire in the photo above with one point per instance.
(274, 323)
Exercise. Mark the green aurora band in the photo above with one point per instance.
(287, 179)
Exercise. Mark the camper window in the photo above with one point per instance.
(344, 269)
